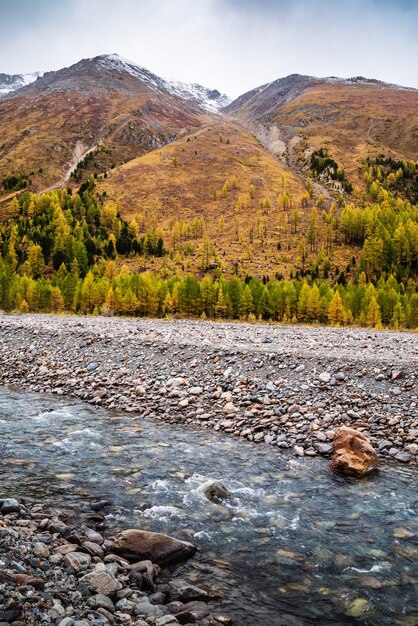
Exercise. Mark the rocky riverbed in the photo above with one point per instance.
(56, 572)
(288, 387)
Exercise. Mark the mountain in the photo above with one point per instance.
(111, 71)
(273, 184)
(351, 118)
(105, 106)
(106, 110)
(12, 82)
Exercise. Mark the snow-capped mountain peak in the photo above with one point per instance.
(119, 63)
(97, 70)
(209, 99)
(11, 82)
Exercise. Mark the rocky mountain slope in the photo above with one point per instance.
(352, 118)
(52, 123)
(218, 183)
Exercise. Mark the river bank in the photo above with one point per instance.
(289, 387)
(55, 571)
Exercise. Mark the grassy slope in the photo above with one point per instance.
(42, 131)
(355, 121)
(156, 191)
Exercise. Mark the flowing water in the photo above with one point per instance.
(293, 545)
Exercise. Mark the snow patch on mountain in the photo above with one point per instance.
(11, 82)
(209, 99)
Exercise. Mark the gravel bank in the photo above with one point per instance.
(289, 387)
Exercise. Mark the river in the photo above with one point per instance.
(293, 545)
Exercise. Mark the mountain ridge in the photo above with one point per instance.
(112, 110)
(287, 88)
(95, 69)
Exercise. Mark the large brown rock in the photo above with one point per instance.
(136, 545)
(353, 453)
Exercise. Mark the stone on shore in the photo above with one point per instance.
(353, 453)
(135, 545)
(77, 561)
(101, 581)
(9, 505)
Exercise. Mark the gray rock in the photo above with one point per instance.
(146, 609)
(323, 448)
(78, 561)
(93, 535)
(67, 621)
(99, 601)
(9, 505)
(167, 620)
(324, 377)
(403, 457)
(101, 581)
(195, 391)
(41, 550)
(298, 451)
(216, 490)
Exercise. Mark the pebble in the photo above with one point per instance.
(324, 377)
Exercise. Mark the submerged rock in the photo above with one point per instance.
(357, 607)
(353, 453)
(216, 491)
(135, 545)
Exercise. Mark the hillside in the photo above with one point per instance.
(291, 179)
(352, 118)
(218, 197)
(105, 104)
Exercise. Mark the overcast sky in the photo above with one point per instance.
(233, 45)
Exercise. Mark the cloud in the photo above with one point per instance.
(233, 45)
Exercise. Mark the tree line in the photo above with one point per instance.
(107, 290)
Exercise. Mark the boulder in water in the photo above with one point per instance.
(216, 491)
(135, 545)
(353, 453)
